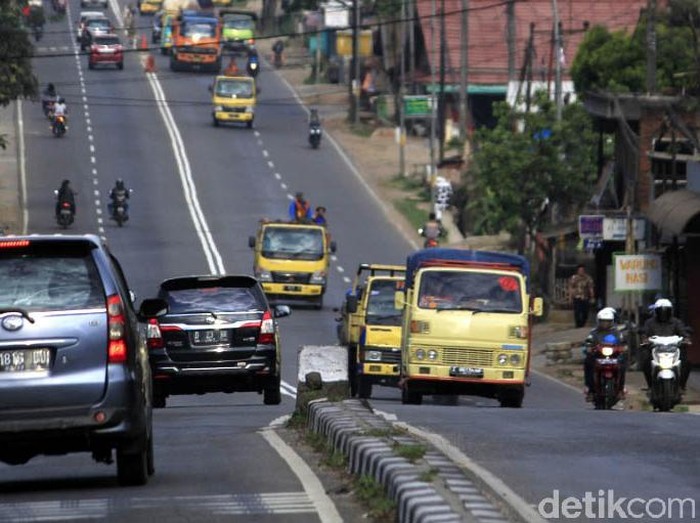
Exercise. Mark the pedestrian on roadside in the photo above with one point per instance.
(581, 295)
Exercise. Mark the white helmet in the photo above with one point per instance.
(606, 314)
(663, 302)
(663, 310)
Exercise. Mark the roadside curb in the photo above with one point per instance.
(432, 488)
(11, 170)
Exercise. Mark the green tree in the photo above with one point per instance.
(16, 78)
(616, 61)
(526, 160)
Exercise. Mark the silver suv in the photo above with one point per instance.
(74, 371)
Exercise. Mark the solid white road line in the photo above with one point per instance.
(22, 166)
(312, 485)
(509, 497)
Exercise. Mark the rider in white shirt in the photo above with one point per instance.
(59, 108)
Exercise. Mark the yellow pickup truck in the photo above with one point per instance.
(467, 319)
(292, 260)
(378, 354)
(353, 313)
(233, 100)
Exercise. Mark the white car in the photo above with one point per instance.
(84, 16)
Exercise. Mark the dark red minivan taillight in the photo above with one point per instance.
(153, 335)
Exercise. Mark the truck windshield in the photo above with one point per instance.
(234, 88)
(380, 304)
(293, 243)
(466, 290)
(238, 22)
(199, 30)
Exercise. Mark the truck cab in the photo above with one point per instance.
(378, 354)
(196, 42)
(233, 100)
(292, 260)
(238, 29)
(353, 312)
(467, 319)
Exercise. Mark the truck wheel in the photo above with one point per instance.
(318, 304)
(512, 399)
(215, 121)
(158, 401)
(410, 397)
(364, 387)
(249, 124)
(352, 370)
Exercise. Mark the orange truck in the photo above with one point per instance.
(196, 42)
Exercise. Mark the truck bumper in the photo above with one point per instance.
(226, 116)
(293, 290)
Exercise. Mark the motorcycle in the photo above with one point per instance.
(429, 242)
(119, 210)
(253, 67)
(315, 136)
(47, 104)
(607, 374)
(65, 214)
(59, 126)
(665, 392)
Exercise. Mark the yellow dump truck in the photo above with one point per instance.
(292, 260)
(467, 319)
(353, 312)
(233, 100)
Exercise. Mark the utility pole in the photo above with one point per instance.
(557, 57)
(443, 66)
(411, 45)
(402, 81)
(463, 64)
(510, 13)
(651, 46)
(433, 105)
(354, 69)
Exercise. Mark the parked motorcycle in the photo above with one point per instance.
(607, 374)
(120, 210)
(59, 126)
(665, 392)
(315, 136)
(65, 213)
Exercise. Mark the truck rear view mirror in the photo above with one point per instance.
(537, 306)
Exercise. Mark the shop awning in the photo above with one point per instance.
(673, 211)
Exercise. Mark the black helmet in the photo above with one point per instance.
(663, 310)
(65, 183)
(51, 88)
(119, 183)
(61, 100)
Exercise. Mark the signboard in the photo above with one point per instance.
(417, 106)
(590, 227)
(336, 15)
(637, 272)
(615, 229)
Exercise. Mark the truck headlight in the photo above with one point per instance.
(420, 354)
(502, 359)
(318, 278)
(218, 108)
(263, 275)
(515, 359)
(250, 110)
(373, 355)
(433, 354)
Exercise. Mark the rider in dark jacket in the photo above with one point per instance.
(119, 193)
(663, 323)
(65, 194)
(605, 332)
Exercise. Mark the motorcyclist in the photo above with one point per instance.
(253, 65)
(48, 97)
(300, 209)
(432, 231)
(605, 331)
(59, 108)
(119, 193)
(65, 194)
(663, 323)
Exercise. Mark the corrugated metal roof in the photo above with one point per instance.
(488, 47)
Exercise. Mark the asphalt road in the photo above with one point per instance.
(211, 460)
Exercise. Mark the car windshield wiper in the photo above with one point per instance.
(460, 308)
(20, 310)
(200, 312)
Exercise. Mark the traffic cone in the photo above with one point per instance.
(232, 68)
(144, 42)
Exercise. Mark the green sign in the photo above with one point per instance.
(417, 106)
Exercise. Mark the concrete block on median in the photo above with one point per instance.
(327, 362)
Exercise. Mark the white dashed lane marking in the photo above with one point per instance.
(265, 153)
(278, 176)
(271, 165)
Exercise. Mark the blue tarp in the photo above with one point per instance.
(460, 255)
